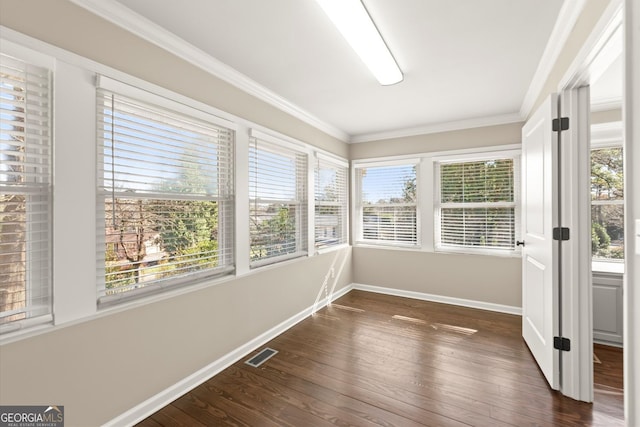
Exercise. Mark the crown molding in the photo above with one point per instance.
(569, 13)
(142, 27)
(439, 127)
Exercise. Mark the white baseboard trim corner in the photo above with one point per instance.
(160, 400)
(500, 308)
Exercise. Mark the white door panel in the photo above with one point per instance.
(539, 256)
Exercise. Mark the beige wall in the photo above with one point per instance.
(488, 279)
(454, 140)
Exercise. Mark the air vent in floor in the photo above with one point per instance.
(261, 357)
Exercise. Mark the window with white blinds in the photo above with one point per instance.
(278, 202)
(387, 204)
(25, 193)
(331, 202)
(477, 204)
(165, 196)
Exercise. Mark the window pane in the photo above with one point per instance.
(478, 227)
(388, 184)
(607, 231)
(607, 182)
(149, 240)
(478, 204)
(331, 204)
(25, 191)
(278, 205)
(484, 181)
(166, 196)
(388, 200)
(273, 230)
(389, 223)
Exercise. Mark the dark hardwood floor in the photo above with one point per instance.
(372, 359)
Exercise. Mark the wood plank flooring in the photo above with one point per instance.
(371, 359)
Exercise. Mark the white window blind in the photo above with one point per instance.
(477, 204)
(25, 193)
(331, 202)
(165, 197)
(278, 202)
(387, 201)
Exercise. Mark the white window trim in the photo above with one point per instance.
(356, 212)
(292, 146)
(158, 103)
(466, 157)
(43, 60)
(426, 175)
(338, 162)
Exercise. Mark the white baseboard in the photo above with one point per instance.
(441, 299)
(608, 343)
(154, 403)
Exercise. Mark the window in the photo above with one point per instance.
(165, 195)
(607, 204)
(25, 192)
(477, 203)
(331, 202)
(387, 203)
(278, 201)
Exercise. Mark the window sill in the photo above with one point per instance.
(333, 248)
(485, 252)
(363, 244)
(607, 267)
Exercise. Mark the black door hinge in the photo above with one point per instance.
(560, 124)
(560, 233)
(562, 344)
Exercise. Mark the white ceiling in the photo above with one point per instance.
(464, 61)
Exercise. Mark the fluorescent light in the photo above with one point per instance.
(355, 24)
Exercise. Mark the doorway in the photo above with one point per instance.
(607, 227)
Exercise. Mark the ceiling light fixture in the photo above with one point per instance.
(355, 24)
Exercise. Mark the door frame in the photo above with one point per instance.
(576, 305)
(631, 287)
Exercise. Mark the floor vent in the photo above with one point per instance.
(261, 357)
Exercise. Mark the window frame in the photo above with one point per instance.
(358, 205)
(603, 136)
(37, 280)
(322, 161)
(480, 156)
(226, 190)
(303, 220)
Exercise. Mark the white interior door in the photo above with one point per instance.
(540, 313)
